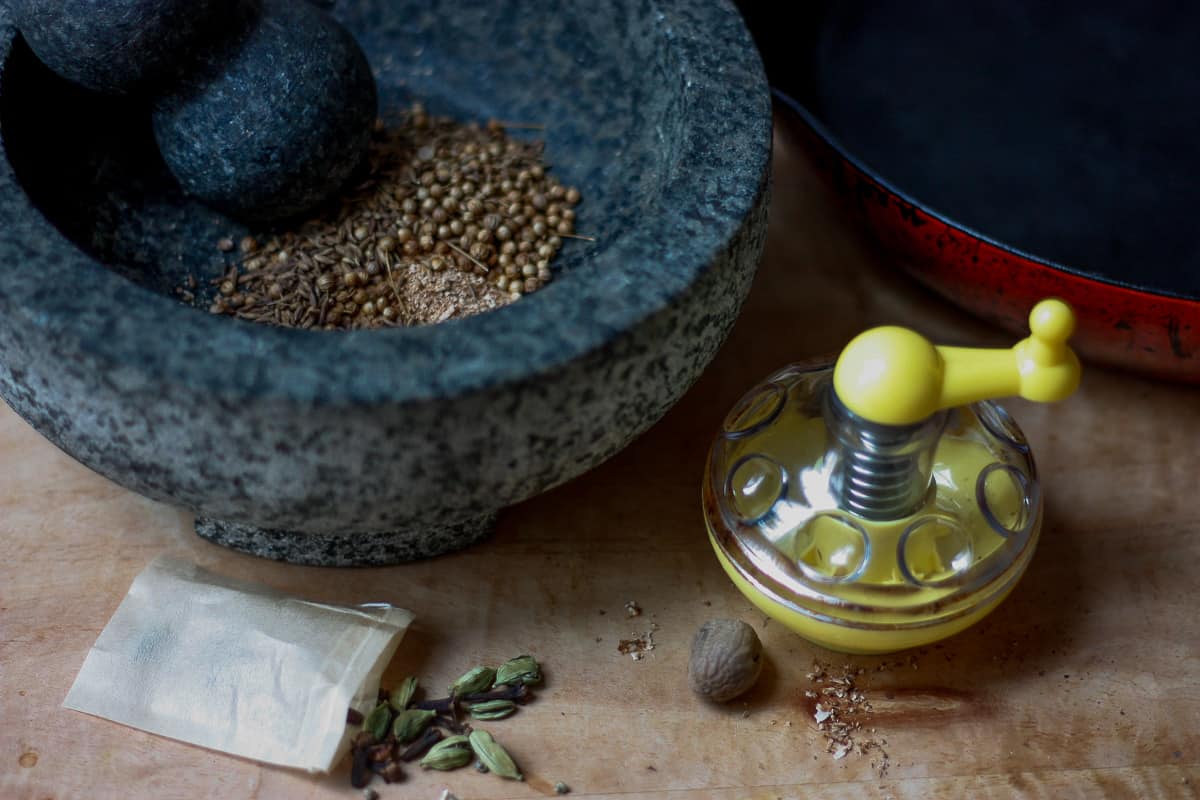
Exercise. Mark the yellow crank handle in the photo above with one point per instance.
(895, 376)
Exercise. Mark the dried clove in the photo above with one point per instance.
(518, 693)
(428, 739)
(380, 753)
(360, 774)
(443, 705)
(393, 772)
(453, 725)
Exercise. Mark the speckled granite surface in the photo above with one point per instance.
(659, 111)
(121, 46)
(274, 124)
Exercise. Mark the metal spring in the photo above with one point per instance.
(883, 471)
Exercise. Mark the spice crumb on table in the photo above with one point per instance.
(641, 643)
(841, 711)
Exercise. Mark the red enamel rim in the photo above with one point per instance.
(1153, 333)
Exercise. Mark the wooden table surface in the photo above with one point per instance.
(1084, 683)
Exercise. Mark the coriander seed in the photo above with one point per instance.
(441, 228)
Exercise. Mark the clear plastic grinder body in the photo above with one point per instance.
(886, 502)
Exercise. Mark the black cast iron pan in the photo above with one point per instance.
(1006, 151)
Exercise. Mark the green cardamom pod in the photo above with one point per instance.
(479, 679)
(403, 696)
(522, 669)
(378, 721)
(450, 753)
(410, 722)
(493, 756)
(492, 709)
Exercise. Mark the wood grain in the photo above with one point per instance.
(1085, 683)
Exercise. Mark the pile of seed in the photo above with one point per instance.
(451, 220)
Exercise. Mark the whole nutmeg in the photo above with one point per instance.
(726, 659)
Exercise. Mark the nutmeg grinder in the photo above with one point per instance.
(886, 502)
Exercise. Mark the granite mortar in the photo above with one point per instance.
(379, 446)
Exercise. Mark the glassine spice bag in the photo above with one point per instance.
(237, 667)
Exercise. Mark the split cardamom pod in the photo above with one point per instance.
(410, 722)
(450, 753)
(479, 679)
(493, 756)
(522, 669)
(379, 721)
(492, 709)
(402, 696)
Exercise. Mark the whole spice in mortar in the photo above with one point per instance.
(452, 220)
(401, 729)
